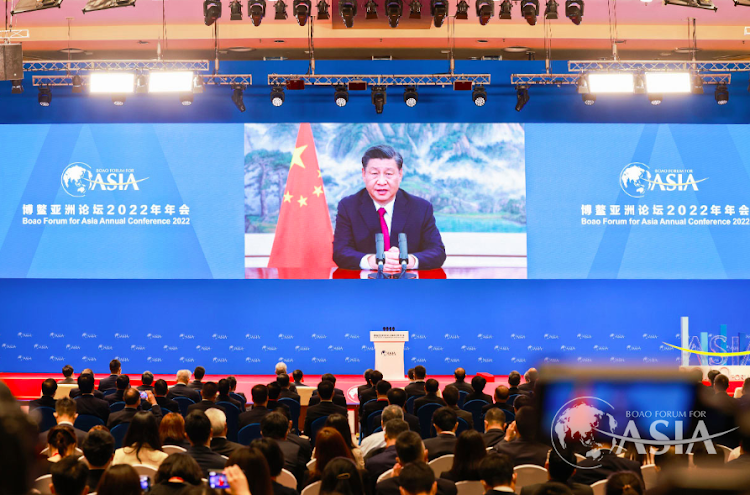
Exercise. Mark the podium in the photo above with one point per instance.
(389, 353)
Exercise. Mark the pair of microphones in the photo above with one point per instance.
(403, 255)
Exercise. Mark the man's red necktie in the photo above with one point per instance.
(384, 229)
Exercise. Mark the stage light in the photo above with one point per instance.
(668, 82)
(655, 98)
(479, 95)
(141, 84)
(77, 84)
(394, 9)
(186, 99)
(574, 11)
(371, 10)
(550, 11)
(170, 82)
(302, 9)
(341, 96)
(112, 82)
(582, 85)
(378, 98)
(697, 85)
(16, 87)
(348, 11)
(277, 96)
(438, 10)
(198, 84)
(721, 94)
(235, 8)
(696, 4)
(256, 9)
(589, 98)
(522, 96)
(211, 11)
(280, 11)
(237, 93)
(530, 10)
(410, 96)
(323, 11)
(118, 100)
(24, 6)
(93, 5)
(462, 10)
(506, 9)
(485, 11)
(613, 82)
(415, 10)
(45, 96)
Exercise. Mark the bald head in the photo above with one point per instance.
(531, 375)
(501, 393)
(183, 376)
(460, 374)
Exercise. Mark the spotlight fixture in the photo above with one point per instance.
(160, 81)
(462, 10)
(506, 9)
(237, 93)
(574, 11)
(112, 82)
(92, 5)
(118, 100)
(415, 9)
(485, 11)
(697, 88)
(77, 84)
(323, 10)
(378, 98)
(198, 84)
(45, 96)
(302, 9)
(589, 98)
(371, 9)
(410, 96)
(341, 97)
(522, 95)
(348, 11)
(235, 10)
(721, 94)
(479, 95)
(16, 87)
(696, 4)
(394, 9)
(612, 82)
(655, 98)
(141, 84)
(277, 96)
(24, 6)
(529, 10)
(211, 11)
(256, 9)
(186, 99)
(668, 82)
(281, 11)
(439, 11)
(582, 85)
(550, 11)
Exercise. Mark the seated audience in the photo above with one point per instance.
(176, 474)
(494, 426)
(381, 388)
(368, 383)
(711, 375)
(416, 388)
(208, 393)
(469, 453)
(341, 423)
(326, 407)
(496, 474)
(341, 477)
(560, 467)
(385, 460)
(608, 463)
(338, 395)
(76, 392)
(181, 389)
(501, 398)
(65, 414)
(431, 387)
(275, 457)
(198, 430)
(521, 440)
(370, 393)
(147, 382)
(329, 444)
(160, 393)
(99, 450)
(49, 387)
(417, 478)
(376, 441)
(445, 422)
(624, 483)
(233, 391)
(522, 400)
(132, 400)
(704, 460)
(298, 377)
(109, 383)
(530, 377)
(141, 444)
(69, 477)
(122, 383)
(397, 397)
(120, 480)
(514, 379)
(198, 374)
(86, 403)
(219, 442)
(255, 466)
(280, 368)
(274, 391)
(450, 396)
(259, 394)
(223, 388)
(286, 393)
(460, 383)
(172, 430)
(477, 384)
(18, 437)
(61, 441)
(275, 426)
(67, 372)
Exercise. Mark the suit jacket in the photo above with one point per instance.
(493, 436)
(441, 445)
(226, 398)
(362, 388)
(305, 448)
(524, 452)
(381, 463)
(357, 222)
(116, 397)
(88, 404)
(108, 383)
(415, 388)
(501, 405)
(463, 387)
(294, 459)
(575, 488)
(145, 388)
(93, 480)
(196, 385)
(336, 391)
(182, 390)
(222, 446)
(207, 459)
(251, 416)
(478, 396)
(168, 404)
(279, 489)
(513, 391)
(527, 387)
(67, 381)
(391, 487)
(43, 401)
(76, 392)
(80, 435)
(320, 410)
(288, 394)
(126, 416)
(609, 462)
(204, 406)
(368, 409)
(413, 422)
(338, 399)
(465, 415)
(427, 399)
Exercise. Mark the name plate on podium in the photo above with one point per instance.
(389, 353)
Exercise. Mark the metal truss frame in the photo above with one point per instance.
(560, 79)
(219, 80)
(13, 34)
(114, 65)
(379, 80)
(656, 65)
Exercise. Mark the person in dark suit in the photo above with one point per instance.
(160, 393)
(275, 458)
(219, 442)
(273, 395)
(450, 396)
(65, 414)
(198, 431)
(478, 383)
(286, 393)
(560, 467)
(410, 450)
(460, 383)
(181, 388)
(325, 408)
(520, 440)
(367, 385)
(338, 395)
(431, 387)
(744, 458)
(132, 400)
(122, 383)
(417, 386)
(608, 463)
(49, 387)
(397, 397)
(147, 382)
(76, 392)
(382, 462)
(209, 391)
(370, 393)
(275, 426)
(99, 449)
(381, 207)
(382, 388)
(298, 377)
(233, 390)
(494, 426)
(496, 474)
(198, 375)
(530, 377)
(514, 379)
(501, 398)
(86, 403)
(445, 422)
(259, 393)
(223, 396)
(67, 372)
(115, 368)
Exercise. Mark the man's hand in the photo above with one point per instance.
(511, 433)
(392, 264)
(150, 398)
(373, 263)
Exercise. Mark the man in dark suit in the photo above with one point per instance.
(209, 391)
(259, 394)
(160, 393)
(86, 403)
(49, 387)
(147, 380)
(367, 385)
(370, 393)
(450, 396)
(224, 395)
(181, 388)
(460, 383)
(271, 451)
(65, 414)
(514, 379)
(607, 464)
(132, 399)
(382, 388)
(445, 422)
(338, 395)
(122, 383)
(115, 368)
(275, 426)
(99, 449)
(198, 374)
(501, 398)
(496, 474)
(521, 444)
(273, 395)
(298, 377)
(530, 377)
(219, 442)
(560, 467)
(198, 431)
(374, 443)
(325, 408)
(286, 393)
(478, 383)
(385, 460)
(416, 388)
(67, 372)
(381, 207)
(76, 392)
(494, 427)
(431, 387)
(397, 397)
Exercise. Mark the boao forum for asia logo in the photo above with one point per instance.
(636, 180)
(77, 179)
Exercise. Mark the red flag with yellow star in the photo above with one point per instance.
(303, 245)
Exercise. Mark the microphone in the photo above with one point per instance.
(403, 251)
(380, 253)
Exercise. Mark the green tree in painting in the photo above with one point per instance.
(265, 178)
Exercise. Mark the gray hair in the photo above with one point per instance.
(183, 376)
(391, 412)
(218, 420)
(280, 367)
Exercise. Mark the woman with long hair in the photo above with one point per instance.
(61, 442)
(341, 423)
(470, 450)
(255, 467)
(176, 473)
(275, 458)
(120, 480)
(341, 476)
(624, 483)
(329, 444)
(141, 444)
(172, 430)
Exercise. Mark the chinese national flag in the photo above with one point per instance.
(303, 245)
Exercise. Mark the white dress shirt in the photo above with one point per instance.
(388, 217)
(372, 442)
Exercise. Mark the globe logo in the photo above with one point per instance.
(76, 178)
(634, 179)
(577, 422)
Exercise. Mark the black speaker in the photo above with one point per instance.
(11, 62)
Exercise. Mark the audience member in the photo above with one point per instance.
(86, 403)
(329, 444)
(530, 378)
(520, 440)
(514, 379)
(445, 422)
(219, 442)
(624, 483)
(371, 393)
(208, 392)
(49, 387)
(198, 430)
(298, 377)
(160, 394)
(132, 400)
(141, 444)
(120, 480)
(275, 426)
(109, 383)
(147, 382)
(368, 383)
(274, 391)
(501, 400)
(338, 395)
(560, 467)
(341, 477)
(375, 442)
(198, 375)
(69, 477)
(341, 423)
(469, 453)
(385, 460)
(99, 450)
(67, 372)
(397, 397)
(280, 368)
(416, 388)
(477, 384)
(224, 388)
(431, 387)
(667, 462)
(522, 400)
(326, 407)
(711, 375)
(181, 389)
(76, 392)
(177, 473)
(259, 393)
(172, 430)
(451, 396)
(704, 460)
(122, 383)
(417, 478)
(275, 457)
(61, 443)
(65, 414)
(381, 388)
(743, 460)
(18, 437)
(494, 426)
(410, 375)
(460, 383)
(496, 474)
(255, 466)
(233, 390)
(286, 393)
(607, 463)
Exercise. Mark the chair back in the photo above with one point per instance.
(648, 471)
(313, 489)
(315, 427)
(442, 463)
(116, 406)
(311, 465)
(511, 399)
(462, 397)
(144, 470)
(63, 390)
(475, 408)
(287, 479)
(600, 487)
(410, 404)
(109, 392)
(386, 475)
(469, 488)
(233, 414)
(463, 425)
(119, 433)
(45, 417)
(425, 418)
(373, 421)
(238, 397)
(41, 484)
(184, 403)
(173, 449)
(509, 417)
(529, 474)
(248, 433)
(87, 421)
(294, 409)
